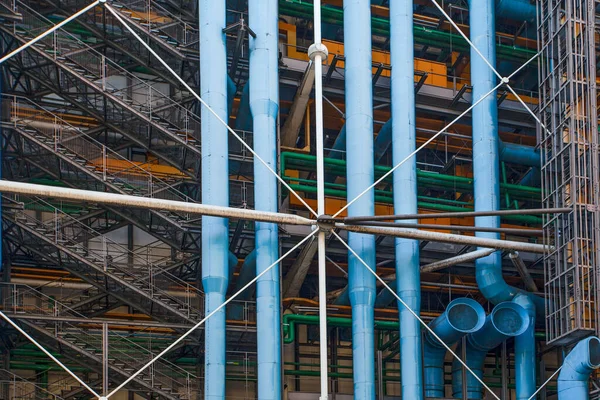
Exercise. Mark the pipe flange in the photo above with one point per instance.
(326, 222)
(317, 49)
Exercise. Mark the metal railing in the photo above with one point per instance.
(123, 353)
(144, 95)
(115, 259)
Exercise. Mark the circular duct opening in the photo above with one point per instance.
(510, 319)
(594, 351)
(466, 315)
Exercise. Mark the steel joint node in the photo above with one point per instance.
(325, 222)
(317, 49)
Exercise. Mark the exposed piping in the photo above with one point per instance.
(507, 320)
(404, 143)
(150, 203)
(519, 154)
(264, 106)
(576, 369)
(360, 175)
(215, 189)
(509, 152)
(516, 10)
(462, 316)
(525, 363)
(486, 182)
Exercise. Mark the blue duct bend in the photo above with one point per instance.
(506, 320)
(404, 143)
(360, 175)
(215, 189)
(525, 364)
(383, 140)
(462, 316)
(339, 146)
(519, 154)
(577, 367)
(522, 10)
(243, 118)
(264, 106)
(247, 272)
(486, 183)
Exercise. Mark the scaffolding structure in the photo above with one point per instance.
(570, 176)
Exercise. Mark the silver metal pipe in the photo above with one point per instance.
(121, 200)
(449, 262)
(446, 238)
(533, 211)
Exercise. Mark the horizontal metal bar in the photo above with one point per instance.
(512, 231)
(533, 211)
(446, 238)
(150, 203)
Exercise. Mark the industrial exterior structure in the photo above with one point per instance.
(188, 188)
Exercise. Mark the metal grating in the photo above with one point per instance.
(569, 145)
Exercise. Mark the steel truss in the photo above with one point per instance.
(570, 176)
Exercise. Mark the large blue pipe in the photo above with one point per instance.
(506, 320)
(404, 142)
(525, 363)
(519, 154)
(462, 316)
(215, 189)
(264, 106)
(522, 10)
(577, 367)
(360, 175)
(486, 183)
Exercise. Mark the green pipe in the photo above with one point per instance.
(381, 26)
(307, 162)
(527, 219)
(290, 320)
(299, 161)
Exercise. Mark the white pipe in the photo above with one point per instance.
(446, 238)
(150, 203)
(316, 53)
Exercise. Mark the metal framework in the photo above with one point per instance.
(570, 176)
(97, 156)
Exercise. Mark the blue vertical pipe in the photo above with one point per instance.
(462, 316)
(507, 320)
(486, 183)
(215, 189)
(525, 363)
(264, 106)
(360, 175)
(577, 367)
(404, 142)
